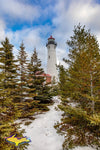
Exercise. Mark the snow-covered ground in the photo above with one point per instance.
(84, 148)
(42, 133)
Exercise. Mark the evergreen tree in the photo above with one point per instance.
(36, 72)
(8, 65)
(25, 95)
(82, 87)
(8, 110)
(84, 65)
(38, 83)
(63, 84)
(22, 59)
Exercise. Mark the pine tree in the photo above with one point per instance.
(37, 79)
(25, 94)
(84, 65)
(22, 59)
(82, 87)
(63, 84)
(9, 67)
(37, 71)
(8, 110)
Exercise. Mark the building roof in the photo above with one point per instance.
(39, 73)
(51, 38)
(48, 75)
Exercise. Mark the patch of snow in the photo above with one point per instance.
(84, 148)
(72, 104)
(41, 131)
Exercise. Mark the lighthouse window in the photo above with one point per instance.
(49, 57)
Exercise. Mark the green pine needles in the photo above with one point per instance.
(80, 90)
(23, 91)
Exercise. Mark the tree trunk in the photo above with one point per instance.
(91, 86)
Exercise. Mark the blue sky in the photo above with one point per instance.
(33, 21)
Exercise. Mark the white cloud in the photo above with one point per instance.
(67, 14)
(86, 12)
(61, 53)
(32, 38)
(29, 36)
(19, 10)
(2, 29)
(98, 38)
(70, 13)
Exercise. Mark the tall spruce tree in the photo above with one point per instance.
(25, 94)
(82, 88)
(84, 65)
(22, 59)
(63, 82)
(38, 82)
(36, 72)
(8, 64)
(8, 110)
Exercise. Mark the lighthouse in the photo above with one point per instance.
(51, 58)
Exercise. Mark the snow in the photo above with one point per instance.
(83, 148)
(42, 133)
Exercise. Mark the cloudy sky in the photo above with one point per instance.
(33, 21)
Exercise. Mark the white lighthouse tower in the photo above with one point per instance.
(51, 58)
